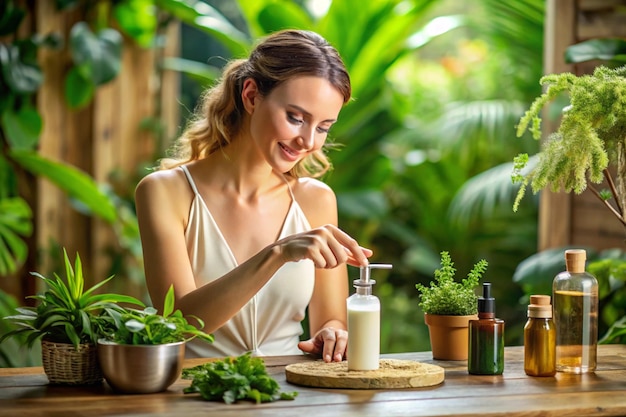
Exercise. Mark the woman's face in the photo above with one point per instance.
(293, 120)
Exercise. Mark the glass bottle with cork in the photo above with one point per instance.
(575, 298)
(486, 338)
(540, 338)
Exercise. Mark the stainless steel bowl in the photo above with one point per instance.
(140, 369)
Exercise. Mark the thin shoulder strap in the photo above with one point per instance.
(293, 198)
(190, 179)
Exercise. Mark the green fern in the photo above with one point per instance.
(445, 296)
(586, 140)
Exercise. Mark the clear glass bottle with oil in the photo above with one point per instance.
(575, 300)
(540, 338)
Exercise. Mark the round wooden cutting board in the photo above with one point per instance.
(392, 373)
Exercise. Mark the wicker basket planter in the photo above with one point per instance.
(64, 364)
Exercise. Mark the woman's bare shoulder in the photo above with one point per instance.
(317, 200)
(167, 185)
(165, 178)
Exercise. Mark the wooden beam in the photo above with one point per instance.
(555, 208)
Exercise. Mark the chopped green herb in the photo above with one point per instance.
(233, 379)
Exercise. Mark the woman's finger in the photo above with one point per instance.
(341, 344)
(351, 260)
(329, 338)
(358, 254)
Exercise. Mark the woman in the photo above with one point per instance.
(237, 222)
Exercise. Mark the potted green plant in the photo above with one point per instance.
(142, 351)
(590, 137)
(448, 306)
(67, 320)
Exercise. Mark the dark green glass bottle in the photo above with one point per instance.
(486, 338)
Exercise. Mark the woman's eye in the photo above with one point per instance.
(293, 119)
(322, 130)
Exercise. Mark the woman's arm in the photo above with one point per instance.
(163, 199)
(327, 309)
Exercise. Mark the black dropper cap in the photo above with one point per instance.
(486, 303)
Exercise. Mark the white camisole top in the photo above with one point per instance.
(270, 323)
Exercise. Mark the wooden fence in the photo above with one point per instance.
(104, 139)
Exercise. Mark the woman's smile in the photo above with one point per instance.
(289, 153)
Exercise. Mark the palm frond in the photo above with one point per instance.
(482, 194)
(488, 119)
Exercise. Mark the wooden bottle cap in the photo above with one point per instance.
(540, 307)
(575, 260)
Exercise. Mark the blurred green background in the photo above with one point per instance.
(426, 146)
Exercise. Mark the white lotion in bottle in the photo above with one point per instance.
(364, 323)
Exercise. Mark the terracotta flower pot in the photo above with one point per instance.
(449, 336)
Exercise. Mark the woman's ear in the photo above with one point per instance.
(249, 94)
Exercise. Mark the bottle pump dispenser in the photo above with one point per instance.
(364, 322)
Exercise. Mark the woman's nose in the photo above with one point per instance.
(307, 140)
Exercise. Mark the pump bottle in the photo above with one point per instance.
(486, 338)
(575, 298)
(364, 323)
(540, 338)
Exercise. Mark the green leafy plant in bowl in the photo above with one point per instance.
(142, 351)
(147, 327)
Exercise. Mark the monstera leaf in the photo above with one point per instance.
(97, 59)
(15, 223)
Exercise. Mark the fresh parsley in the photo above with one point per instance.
(232, 379)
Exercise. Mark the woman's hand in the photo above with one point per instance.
(329, 343)
(327, 246)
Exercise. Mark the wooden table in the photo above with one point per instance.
(25, 392)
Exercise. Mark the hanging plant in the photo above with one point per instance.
(590, 138)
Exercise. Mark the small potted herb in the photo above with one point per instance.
(448, 307)
(142, 351)
(67, 320)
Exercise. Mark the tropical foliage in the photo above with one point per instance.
(12, 349)
(66, 312)
(438, 87)
(96, 61)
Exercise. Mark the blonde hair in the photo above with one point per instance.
(276, 59)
